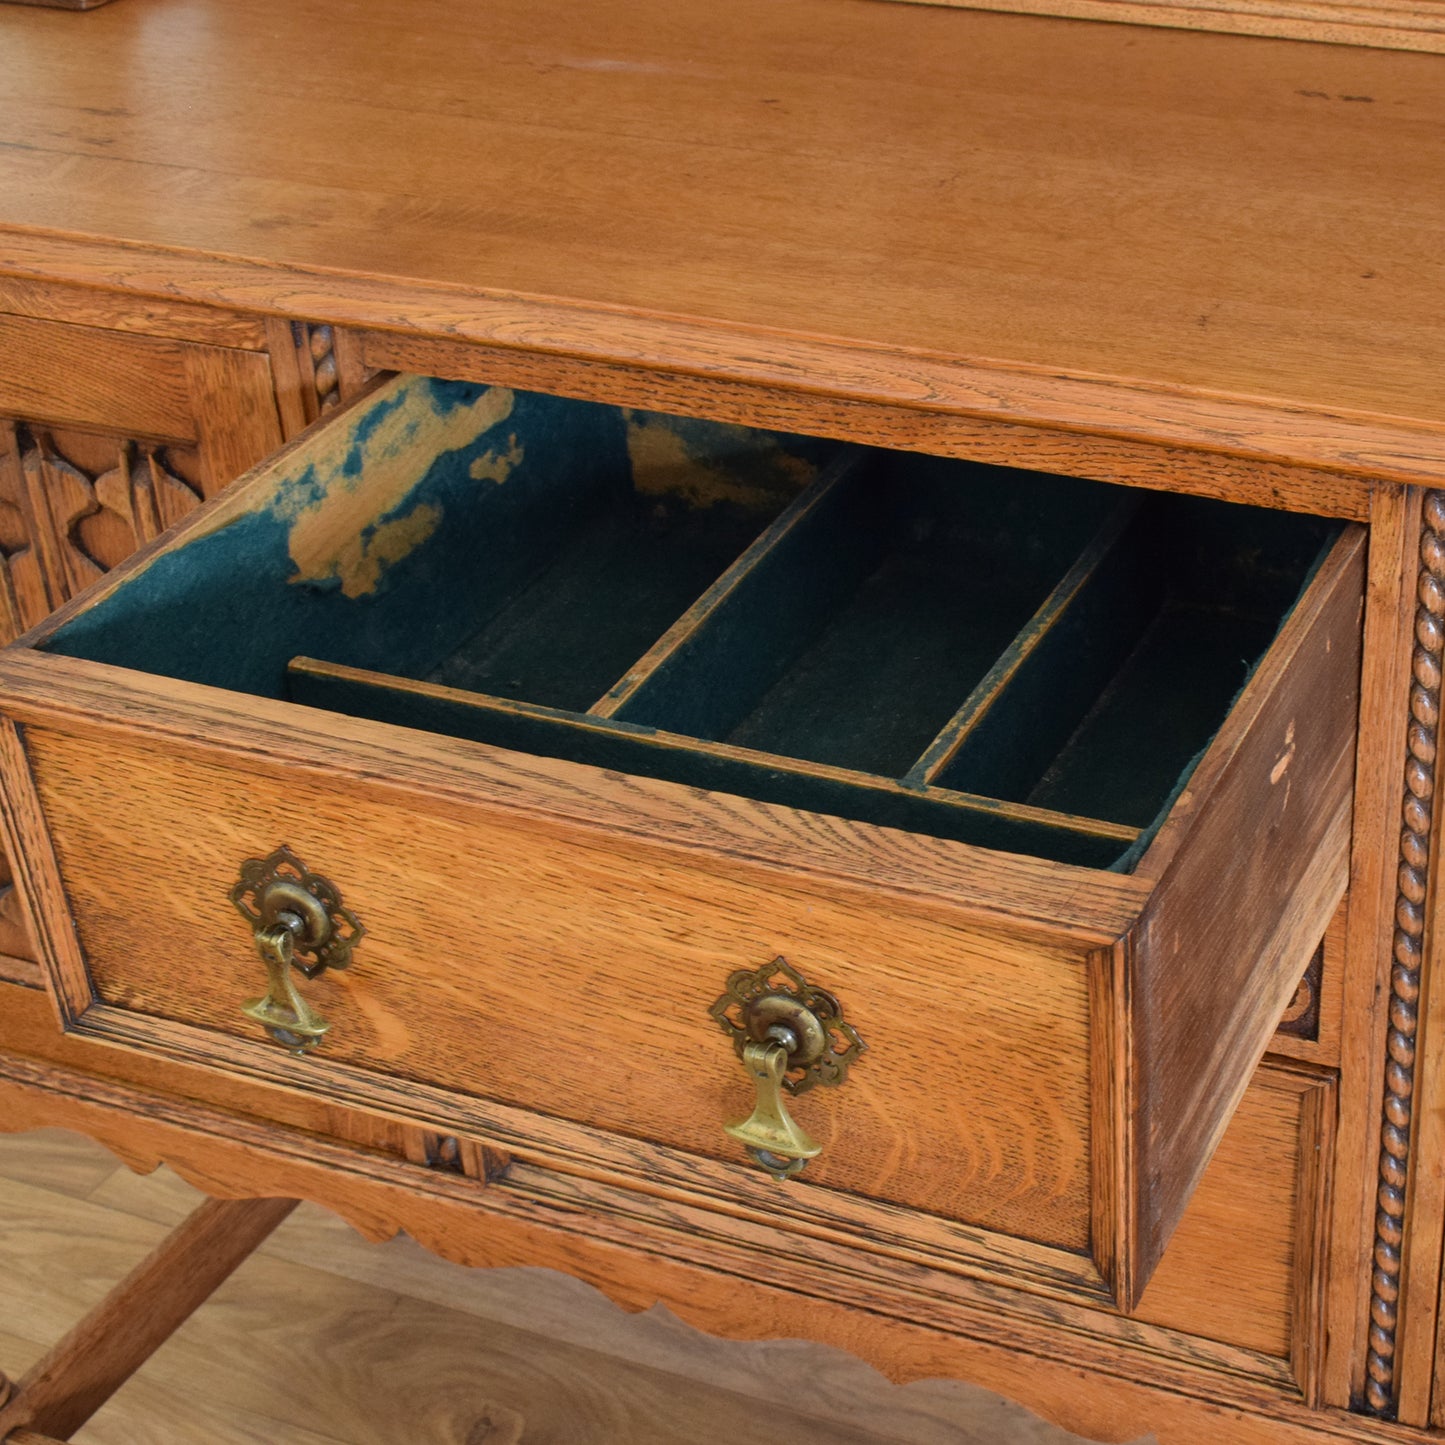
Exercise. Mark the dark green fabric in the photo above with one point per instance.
(227, 608)
(858, 639)
(627, 748)
(1136, 677)
(852, 643)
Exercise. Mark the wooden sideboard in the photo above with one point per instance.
(1166, 1156)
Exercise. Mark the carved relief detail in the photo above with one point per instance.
(449, 1154)
(25, 592)
(321, 344)
(1301, 1020)
(323, 386)
(1416, 817)
(73, 504)
(105, 496)
(330, 367)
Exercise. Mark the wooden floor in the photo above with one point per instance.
(322, 1339)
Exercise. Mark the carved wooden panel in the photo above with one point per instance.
(110, 436)
(317, 366)
(1413, 881)
(25, 595)
(455, 1154)
(1301, 1019)
(73, 504)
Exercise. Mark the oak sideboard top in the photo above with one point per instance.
(1208, 239)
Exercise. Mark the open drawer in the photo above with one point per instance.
(603, 724)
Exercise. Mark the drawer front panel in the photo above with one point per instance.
(554, 898)
(1245, 1265)
(572, 975)
(1240, 1271)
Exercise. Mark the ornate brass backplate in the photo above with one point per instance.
(790, 1036)
(282, 883)
(299, 923)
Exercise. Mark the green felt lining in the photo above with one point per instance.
(525, 483)
(629, 748)
(1137, 674)
(595, 604)
(889, 625)
(853, 641)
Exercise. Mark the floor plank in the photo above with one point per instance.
(64, 1163)
(323, 1339)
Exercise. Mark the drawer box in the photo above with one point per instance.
(585, 711)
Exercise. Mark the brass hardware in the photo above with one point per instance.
(772, 1137)
(282, 1012)
(790, 1036)
(300, 926)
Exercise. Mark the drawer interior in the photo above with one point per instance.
(1007, 658)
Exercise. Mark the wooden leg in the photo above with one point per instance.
(140, 1314)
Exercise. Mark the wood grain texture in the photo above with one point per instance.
(686, 760)
(1034, 1148)
(59, 1393)
(103, 858)
(287, 375)
(95, 497)
(983, 425)
(1297, 356)
(986, 227)
(1096, 1391)
(1314, 1185)
(1249, 877)
(1390, 26)
(1035, 898)
(75, 502)
(573, 979)
(1401, 1339)
(316, 367)
(1390, 603)
(31, 860)
(27, 1025)
(370, 1344)
(1418, 1337)
(573, 1166)
(1233, 1307)
(24, 972)
(1272, 1165)
(231, 395)
(26, 587)
(117, 311)
(84, 376)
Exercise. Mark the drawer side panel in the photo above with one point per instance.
(1246, 896)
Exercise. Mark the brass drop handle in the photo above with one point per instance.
(282, 1011)
(773, 1138)
(790, 1036)
(299, 927)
